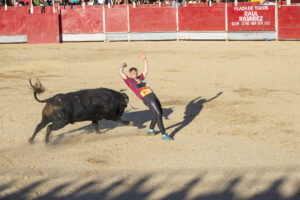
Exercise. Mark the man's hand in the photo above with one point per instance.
(122, 74)
(124, 65)
(145, 71)
(143, 57)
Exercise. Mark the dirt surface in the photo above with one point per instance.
(232, 107)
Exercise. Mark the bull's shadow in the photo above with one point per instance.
(138, 118)
(192, 109)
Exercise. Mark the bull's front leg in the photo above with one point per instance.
(96, 126)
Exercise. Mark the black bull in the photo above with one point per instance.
(84, 105)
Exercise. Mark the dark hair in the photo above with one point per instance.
(132, 69)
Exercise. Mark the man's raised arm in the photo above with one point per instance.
(145, 71)
(122, 74)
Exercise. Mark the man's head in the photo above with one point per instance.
(133, 73)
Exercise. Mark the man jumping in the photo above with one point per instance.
(137, 84)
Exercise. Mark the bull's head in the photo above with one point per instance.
(126, 98)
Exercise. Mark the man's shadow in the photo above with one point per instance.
(193, 108)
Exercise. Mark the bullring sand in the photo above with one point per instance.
(232, 107)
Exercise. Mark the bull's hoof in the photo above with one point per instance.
(30, 141)
(98, 132)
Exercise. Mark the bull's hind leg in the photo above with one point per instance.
(39, 127)
(53, 127)
(96, 126)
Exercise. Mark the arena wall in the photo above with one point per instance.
(202, 22)
(13, 26)
(247, 21)
(289, 23)
(251, 22)
(116, 23)
(82, 24)
(152, 23)
(42, 28)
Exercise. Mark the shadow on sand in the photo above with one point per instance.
(140, 118)
(126, 189)
(192, 109)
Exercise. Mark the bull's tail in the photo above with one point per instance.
(38, 88)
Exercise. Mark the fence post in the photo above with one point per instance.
(276, 21)
(103, 18)
(31, 7)
(226, 23)
(128, 23)
(177, 26)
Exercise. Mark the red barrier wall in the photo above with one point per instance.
(151, 5)
(48, 9)
(116, 19)
(251, 18)
(76, 21)
(152, 19)
(42, 28)
(16, 8)
(201, 18)
(145, 6)
(13, 22)
(196, 4)
(289, 22)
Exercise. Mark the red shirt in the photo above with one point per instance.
(138, 86)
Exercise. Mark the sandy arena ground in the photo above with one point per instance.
(233, 109)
